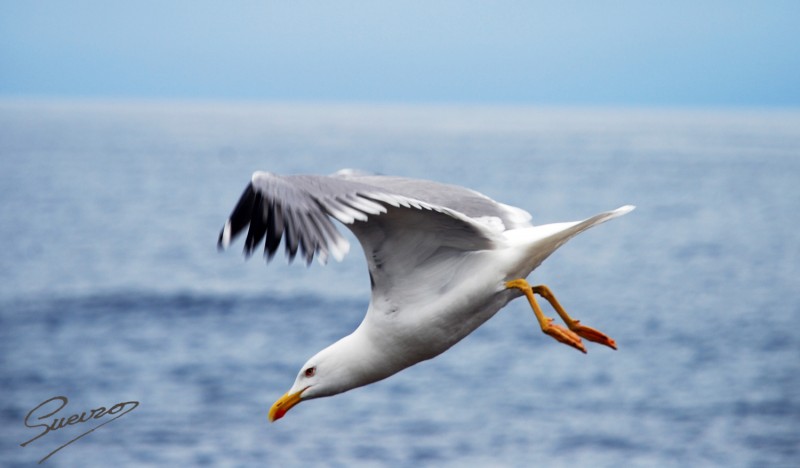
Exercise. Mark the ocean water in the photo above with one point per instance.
(112, 289)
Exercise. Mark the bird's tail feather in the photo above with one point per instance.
(545, 239)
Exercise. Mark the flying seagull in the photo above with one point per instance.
(442, 260)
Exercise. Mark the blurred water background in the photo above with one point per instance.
(112, 289)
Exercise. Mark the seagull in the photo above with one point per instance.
(442, 260)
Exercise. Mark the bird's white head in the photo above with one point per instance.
(347, 364)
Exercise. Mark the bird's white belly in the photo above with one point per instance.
(472, 292)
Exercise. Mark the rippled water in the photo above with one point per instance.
(111, 288)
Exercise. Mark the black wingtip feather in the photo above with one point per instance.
(275, 231)
(240, 217)
(220, 247)
(258, 225)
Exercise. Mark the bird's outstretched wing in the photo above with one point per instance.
(300, 208)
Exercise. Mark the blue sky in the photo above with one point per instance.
(628, 53)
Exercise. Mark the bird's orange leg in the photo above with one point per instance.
(575, 325)
(556, 331)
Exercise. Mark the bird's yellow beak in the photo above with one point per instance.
(284, 404)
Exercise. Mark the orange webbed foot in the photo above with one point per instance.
(591, 334)
(564, 335)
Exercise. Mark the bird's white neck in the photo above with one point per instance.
(357, 361)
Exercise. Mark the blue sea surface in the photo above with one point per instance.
(112, 288)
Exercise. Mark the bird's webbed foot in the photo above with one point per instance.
(563, 335)
(592, 334)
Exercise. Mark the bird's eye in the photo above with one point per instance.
(310, 371)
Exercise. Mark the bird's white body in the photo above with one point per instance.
(427, 313)
(439, 259)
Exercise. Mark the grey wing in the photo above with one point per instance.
(461, 199)
(299, 208)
